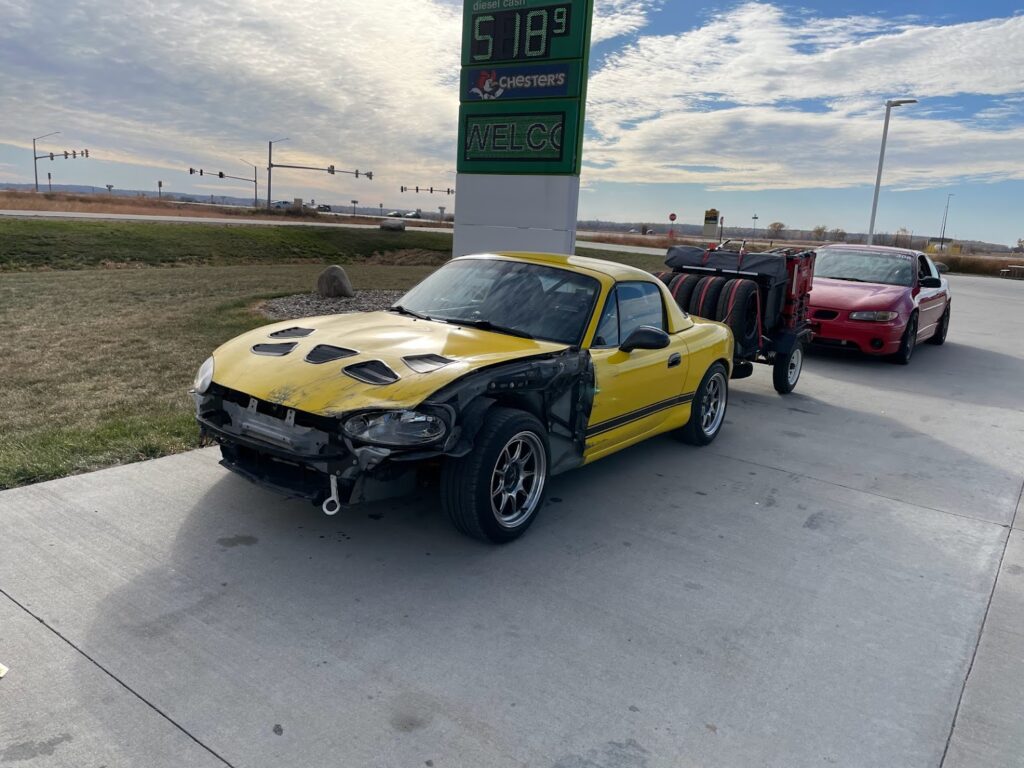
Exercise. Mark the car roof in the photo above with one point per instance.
(875, 248)
(612, 269)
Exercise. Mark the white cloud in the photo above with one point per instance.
(780, 101)
(616, 18)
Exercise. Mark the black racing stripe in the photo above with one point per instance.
(626, 418)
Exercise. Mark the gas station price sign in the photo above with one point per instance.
(507, 31)
(533, 52)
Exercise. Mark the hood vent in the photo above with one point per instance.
(292, 333)
(275, 350)
(426, 363)
(325, 353)
(372, 372)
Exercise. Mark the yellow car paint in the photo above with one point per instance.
(637, 394)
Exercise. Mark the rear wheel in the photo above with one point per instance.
(494, 492)
(707, 414)
(908, 343)
(787, 368)
(943, 328)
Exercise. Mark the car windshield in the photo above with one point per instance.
(865, 266)
(513, 297)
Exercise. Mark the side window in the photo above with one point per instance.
(923, 269)
(608, 327)
(932, 268)
(639, 304)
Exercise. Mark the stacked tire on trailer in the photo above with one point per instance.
(762, 297)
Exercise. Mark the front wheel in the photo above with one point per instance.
(494, 492)
(787, 368)
(707, 413)
(907, 343)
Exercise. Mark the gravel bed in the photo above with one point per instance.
(312, 304)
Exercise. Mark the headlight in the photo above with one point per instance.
(204, 378)
(874, 317)
(395, 428)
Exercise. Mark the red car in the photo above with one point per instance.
(882, 301)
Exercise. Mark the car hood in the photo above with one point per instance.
(325, 389)
(847, 295)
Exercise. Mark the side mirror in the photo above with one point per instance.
(943, 268)
(931, 282)
(645, 337)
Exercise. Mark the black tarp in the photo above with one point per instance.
(691, 258)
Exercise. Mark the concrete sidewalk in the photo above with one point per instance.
(833, 582)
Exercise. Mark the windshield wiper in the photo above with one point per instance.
(487, 325)
(403, 311)
(848, 279)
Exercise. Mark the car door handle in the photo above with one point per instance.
(675, 360)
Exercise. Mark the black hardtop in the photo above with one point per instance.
(691, 258)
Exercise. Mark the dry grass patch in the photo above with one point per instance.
(96, 363)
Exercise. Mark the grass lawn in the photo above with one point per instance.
(96, 358)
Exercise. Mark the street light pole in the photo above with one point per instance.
(255, 184)
(755, 218)
(35, 160)
(942, 237)
(889, 104)
(270, 166)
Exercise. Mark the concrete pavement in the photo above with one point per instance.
(833, 582)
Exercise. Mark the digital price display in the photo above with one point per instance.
(533, 52)
(507, 31)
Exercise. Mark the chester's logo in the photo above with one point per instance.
(487, 85)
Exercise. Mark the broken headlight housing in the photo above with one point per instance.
(204, 377)
(398, 429)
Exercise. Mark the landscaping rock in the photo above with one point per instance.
(393, 225)
(334, 283)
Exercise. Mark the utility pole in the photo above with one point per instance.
(270, 167)
(49, 181)
(35, 159)
(754, 217)
(159, 190)
(889, 104)
(942, 237)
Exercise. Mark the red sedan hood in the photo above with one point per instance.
(844, 294)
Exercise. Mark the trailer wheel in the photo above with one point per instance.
(787, 368)
(738, 308)
(682, 287)
(704, 301)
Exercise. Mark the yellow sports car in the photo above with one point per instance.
(500, 369)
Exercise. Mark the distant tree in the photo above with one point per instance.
(1020, 245)
(837, 234)
(775, 229)
(819, 232)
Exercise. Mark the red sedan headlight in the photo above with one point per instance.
(874, 317)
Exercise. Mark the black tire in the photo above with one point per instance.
(907, 343)
(466, 483)
(787, 368)
(704, 301)
(713, 392)
(666, 277)
(682, 287)
(939, 337)
(737, 308)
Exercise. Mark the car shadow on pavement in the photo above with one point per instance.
(268, 624)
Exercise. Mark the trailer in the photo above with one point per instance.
(762, 297)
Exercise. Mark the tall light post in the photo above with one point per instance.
(270, 166)
(942, 237)
(255, 184)
(755, 217)
(889, 104)
(35, 159)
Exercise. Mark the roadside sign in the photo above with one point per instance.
(671, 217)
(523, 86)
(711, 223)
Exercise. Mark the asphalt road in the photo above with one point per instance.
(838, 580)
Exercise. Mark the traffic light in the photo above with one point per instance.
(330, 170)
(85, 152)
(417, 190)
(403, 189)
(200, 171)
(74, 155)
(431, 190)
(65, 154)
(51, 155)
(369, 175)
(220, 174)
(191, 171)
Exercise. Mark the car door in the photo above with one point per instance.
(931, 302)
(635, 391)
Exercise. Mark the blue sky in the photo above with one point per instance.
(750, 107)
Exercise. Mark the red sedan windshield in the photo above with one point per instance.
(865, 266)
